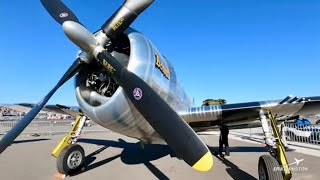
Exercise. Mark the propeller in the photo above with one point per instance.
(23, 123)
(61, 13)
(166, 122)
(124, 16)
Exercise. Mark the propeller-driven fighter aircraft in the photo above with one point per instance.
(125, 84)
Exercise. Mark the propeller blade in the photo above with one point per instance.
(124, 16)
(168, 124)
(10, 136)
(59, 11)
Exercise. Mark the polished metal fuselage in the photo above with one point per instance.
(118, 113)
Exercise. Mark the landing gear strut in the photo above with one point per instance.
(70, 156)
(273, 166)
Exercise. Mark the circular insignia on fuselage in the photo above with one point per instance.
(63, 15)
(137, 93)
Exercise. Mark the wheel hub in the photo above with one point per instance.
(74, 159)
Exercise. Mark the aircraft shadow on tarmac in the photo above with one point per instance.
(30, 140)
(132, 154)
(241, 149)
(234, 171)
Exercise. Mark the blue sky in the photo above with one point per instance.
(238, 50)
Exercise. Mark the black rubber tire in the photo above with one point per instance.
(62, 164)
(266, 169)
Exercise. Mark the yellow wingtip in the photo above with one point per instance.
(205, 163)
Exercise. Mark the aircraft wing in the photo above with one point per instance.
(73, 111)
(245, 115)
(57, 108)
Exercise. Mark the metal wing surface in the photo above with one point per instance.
(57, 108)
(245, 115)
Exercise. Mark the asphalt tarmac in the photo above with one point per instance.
(113, 156)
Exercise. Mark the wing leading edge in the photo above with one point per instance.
(61, 109)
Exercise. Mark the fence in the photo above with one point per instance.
(292, 132)
(49, 127)
(302, 133)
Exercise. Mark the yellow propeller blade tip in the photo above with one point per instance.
(205, 163)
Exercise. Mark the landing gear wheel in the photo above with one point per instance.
(70, 158)
(266, 169)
